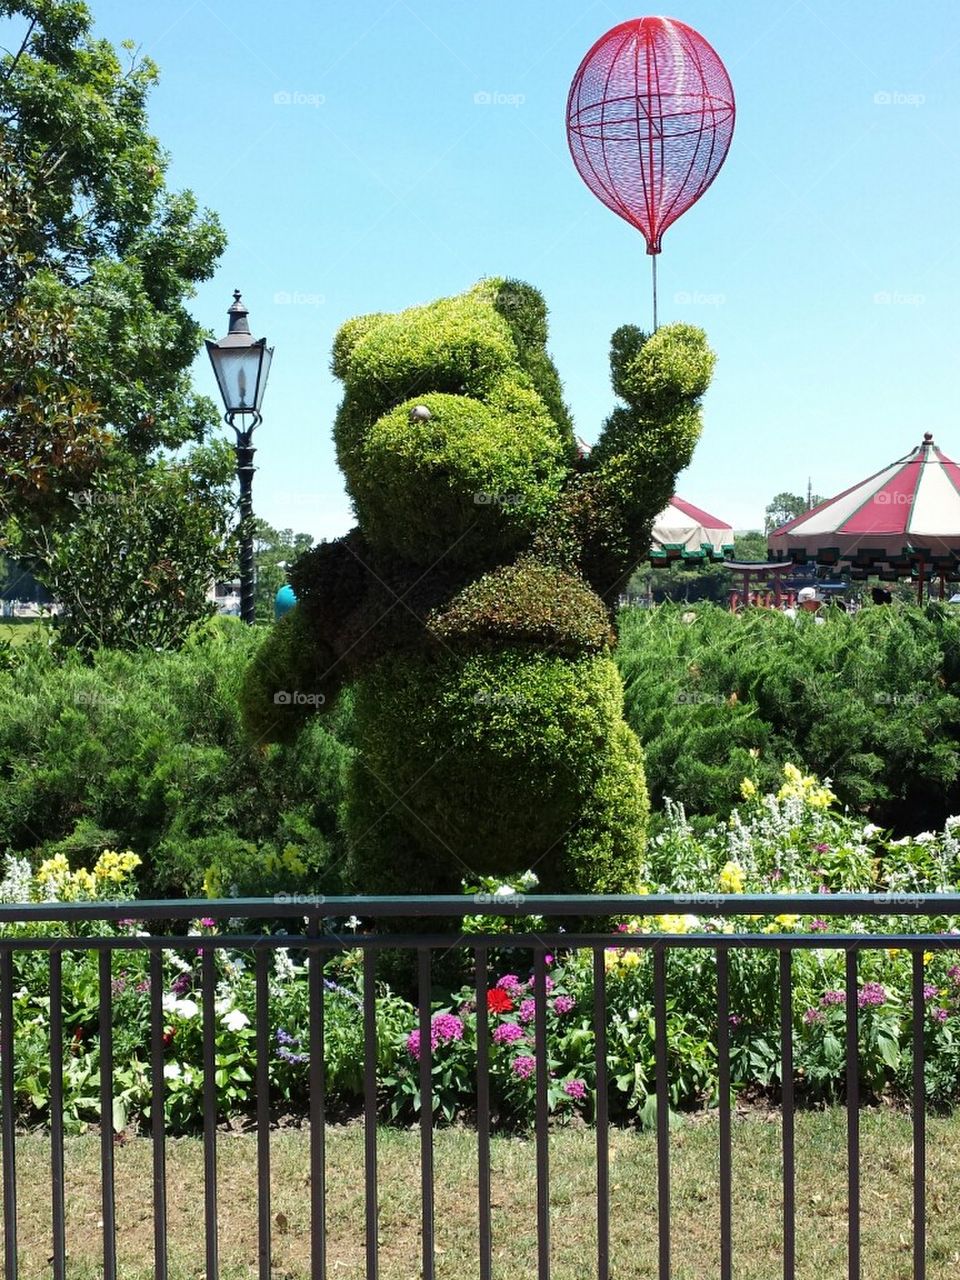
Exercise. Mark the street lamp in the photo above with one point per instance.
(241, 365)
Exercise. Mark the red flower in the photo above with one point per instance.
(168, 1036)
(498, 1001)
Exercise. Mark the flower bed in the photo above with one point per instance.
(791, 841)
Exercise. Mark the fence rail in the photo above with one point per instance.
(319, 938)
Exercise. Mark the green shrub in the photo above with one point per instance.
(869, 701)
(147, 751)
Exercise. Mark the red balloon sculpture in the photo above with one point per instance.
(649, 121)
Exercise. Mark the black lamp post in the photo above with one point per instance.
(242, 365)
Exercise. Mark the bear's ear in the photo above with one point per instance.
(344, 344)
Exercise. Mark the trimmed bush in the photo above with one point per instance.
(869, 701)
(146, 751)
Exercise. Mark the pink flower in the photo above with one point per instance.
(575, 1089)
(929, 991)
(941, 1014)
(563, 1004)
(524, 1066)
(443, 1028)
(208, 923)
(871, 993)
(953, 973)
(509, 983)
(818, 926)
(528, 1010)
(507, 1033)
(813, 1015)
(832, 997)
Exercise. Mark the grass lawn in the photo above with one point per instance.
(17, 630)
(821, 1202)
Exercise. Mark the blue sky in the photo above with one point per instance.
(355, 170)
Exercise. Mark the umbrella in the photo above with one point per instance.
(900, 522)
(685, 532)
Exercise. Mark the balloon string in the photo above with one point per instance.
(653, 257)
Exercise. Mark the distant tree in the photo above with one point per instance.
(787, 506)
(274, 550)
(750, 547)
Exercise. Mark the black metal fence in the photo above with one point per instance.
(316, 918)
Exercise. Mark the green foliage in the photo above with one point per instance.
(274, 551)
(147, 751)
(469, 483)
(528, 746)
(526, 603)
(869, 701)
(100, 262)
(133, 567)
(467, 608)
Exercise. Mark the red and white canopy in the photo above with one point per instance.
(905, 516)
(685, 532)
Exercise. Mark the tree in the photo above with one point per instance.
(750, 547)
(99, 261)
(274, 551)
(787, 506)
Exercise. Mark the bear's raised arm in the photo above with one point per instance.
(605, 521)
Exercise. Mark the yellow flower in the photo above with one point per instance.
(893, 952)
(610, 960)
(792, 773)
(927, 957)
(748, 788)
(677, 924)
(787, 921)
(56, 868)
(629, 959)
(732, 878)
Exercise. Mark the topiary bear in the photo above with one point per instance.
(470, 610)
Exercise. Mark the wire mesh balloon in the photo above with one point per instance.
(649, 121)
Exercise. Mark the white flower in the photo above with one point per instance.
(869, 831)
(171, 1071)
(353, 923)
(182, 1008)
(506, 891)
(235, 1020)
(633, 1014)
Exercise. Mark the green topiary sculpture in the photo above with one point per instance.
(470, 610)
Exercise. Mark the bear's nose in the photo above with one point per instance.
(420, 413)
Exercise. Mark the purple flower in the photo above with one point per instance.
(575, 1089)
(528, 1009)
(118, 986)
(143, 987)
(563, 1004)
(208, 923)
(524, 1066)
(181, 984)
(295, 1059)
(548, 959)
(548, 982)
(447, 1026)
(954, 973)
(832, 997)
(509, 983)
(941, 1014)
(735, 1019)
(871, 993)
(929, 991)
(444, 1027)
(822, 848)
(818, 926)
(813, 1015)
(823, 889)
(507, 1032)
(285, 1038)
